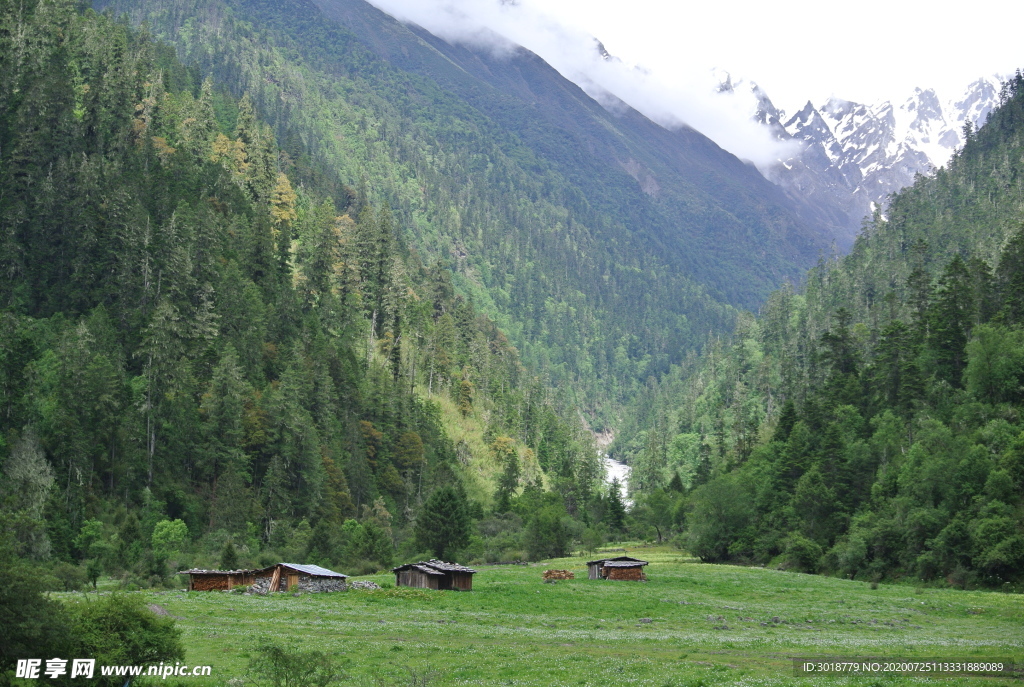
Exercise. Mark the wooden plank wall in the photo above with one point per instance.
(462, 581)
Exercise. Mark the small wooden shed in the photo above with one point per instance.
(434, 574)
(218, 580)
(294, 577)
(618, 568)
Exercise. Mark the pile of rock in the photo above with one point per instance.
(261, 586)
(307, 584)
(363, 584)
(558, 575)
(321, 584)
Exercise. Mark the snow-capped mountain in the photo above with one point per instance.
(848, 157)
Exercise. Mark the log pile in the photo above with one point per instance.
(635, 574)
(558, 575)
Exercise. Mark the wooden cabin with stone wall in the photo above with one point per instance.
(293, 577)
(434, 574)
(618, 568)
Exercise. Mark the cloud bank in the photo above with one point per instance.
(672, 100)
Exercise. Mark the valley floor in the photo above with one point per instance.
(691, 624)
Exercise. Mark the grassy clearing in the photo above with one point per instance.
(691, 624)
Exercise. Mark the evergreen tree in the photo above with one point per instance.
(951, 318)
(229, 557)
(1010, 279)
(616, 509)
(443, 526)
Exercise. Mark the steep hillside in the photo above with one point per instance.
(604, 245)
(871, 425)
(197, 356)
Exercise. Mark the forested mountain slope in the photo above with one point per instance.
(604, 245)
(196, 353)
(870, 425)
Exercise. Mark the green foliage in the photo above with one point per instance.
(601, 275)
(230, 349)
(120, 630)
(276, 665)
(170, 536)
(31, 624)
(443, 525)
(546, 535)
(720, 512)
(229, 557)
(369, 542)
(868, 426)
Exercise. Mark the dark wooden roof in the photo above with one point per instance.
(618, 559)
(434, 567)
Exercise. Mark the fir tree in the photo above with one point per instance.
(443, 526)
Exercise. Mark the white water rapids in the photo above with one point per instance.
(613, 469)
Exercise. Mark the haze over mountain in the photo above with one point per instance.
(674, 98)
(606, 245)
(837, 161)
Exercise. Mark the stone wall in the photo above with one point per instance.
(321, 584)
(307, 584)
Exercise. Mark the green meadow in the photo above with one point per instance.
(691, 624)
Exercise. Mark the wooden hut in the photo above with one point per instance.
(619, 568)
(218, 580)
(434, 574)
(295, 577)
(283, 577)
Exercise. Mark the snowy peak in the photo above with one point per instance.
(852, 156)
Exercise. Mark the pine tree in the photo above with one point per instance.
(616, 509)
(229, 557)
(505, 454)
(951, 318)
(443, 526)
(1010, 279)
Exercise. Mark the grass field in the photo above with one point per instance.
(690, 624)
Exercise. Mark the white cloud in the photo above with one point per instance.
(671, 98)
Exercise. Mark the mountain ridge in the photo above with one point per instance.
(853, 156)
(605, 256)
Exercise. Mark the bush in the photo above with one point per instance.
(120, 630)
(801, 553)
(546, 534)
(72, 577)
(279, 666)
(720, 511)
(30, 624)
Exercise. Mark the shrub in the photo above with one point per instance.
(281, 666)
(801, 553)
(120, 630)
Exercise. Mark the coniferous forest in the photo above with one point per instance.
(208, 359)
(231, 334)
(869, 424)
